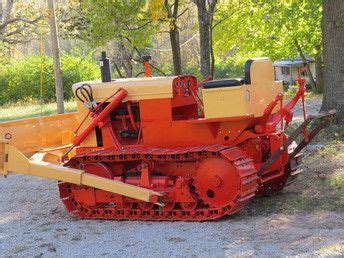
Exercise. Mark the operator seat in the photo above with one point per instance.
(224, 83)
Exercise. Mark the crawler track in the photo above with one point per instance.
(198, 210)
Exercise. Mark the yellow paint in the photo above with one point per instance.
(30, 135)
(91, 139)
(244, 100)
(138, 89)
(12, 160)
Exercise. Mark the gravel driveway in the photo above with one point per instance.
(312, 108)
(33, 222)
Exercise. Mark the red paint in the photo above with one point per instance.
(98, 119)
(206, 168)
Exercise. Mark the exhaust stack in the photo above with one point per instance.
(105, 68)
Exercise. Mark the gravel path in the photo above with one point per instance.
(312, 107)
(33, 222)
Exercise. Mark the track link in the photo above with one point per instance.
(201, 211)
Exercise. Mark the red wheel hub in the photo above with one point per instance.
(217, 182)
(87, 195)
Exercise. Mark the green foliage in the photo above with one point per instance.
(242, 29)
(229, 69)
(230, 26)
(99, 22)
(270, 27)
(233, 66)
(20, 79)
(280, 23)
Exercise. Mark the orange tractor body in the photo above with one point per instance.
(153, 149)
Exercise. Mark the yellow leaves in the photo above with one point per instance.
(156, 7)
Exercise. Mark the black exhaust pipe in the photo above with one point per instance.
(104, 63)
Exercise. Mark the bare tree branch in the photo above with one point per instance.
(12, 28)
(139, 27)
(182, 13)
(226, 18)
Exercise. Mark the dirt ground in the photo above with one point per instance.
(306, 219)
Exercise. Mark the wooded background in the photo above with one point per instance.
(201, 37)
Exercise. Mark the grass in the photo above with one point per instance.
(309, 94)
(333, 249)
(319, 188)
(30, 109)
(333, 134)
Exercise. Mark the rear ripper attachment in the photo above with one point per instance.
(268, 184)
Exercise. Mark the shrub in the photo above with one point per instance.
(20, 79)
(228, 69)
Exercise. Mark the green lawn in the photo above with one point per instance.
(34, 109)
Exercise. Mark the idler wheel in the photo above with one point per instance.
(217, 182)
(169, 206)
(87, 195)
(190, 205)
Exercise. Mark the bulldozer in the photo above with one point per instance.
(165, 148)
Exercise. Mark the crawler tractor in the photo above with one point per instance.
(165, 148)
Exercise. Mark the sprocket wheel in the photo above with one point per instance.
(217, 182)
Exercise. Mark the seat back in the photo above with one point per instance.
(226, 99)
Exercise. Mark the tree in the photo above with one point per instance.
(206, 10)
(169, 13)
(228, 29)
(294, 27)
(172, 11)
(128, 25)
(278, 29)
(123, 27)
(56, 56)
(333, 38)
(18, 22)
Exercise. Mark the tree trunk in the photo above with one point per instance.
(333, 42)
(206, 10)
(174, 35)
(8, 10)
(1, 12)
(304, 60)
(56, 56)
(319, 71)
(5, 11)
(204, 37)
(118, 70)
(211, 45)
(123, 57)
(127, 55)
(175, 45)
(128, 67)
